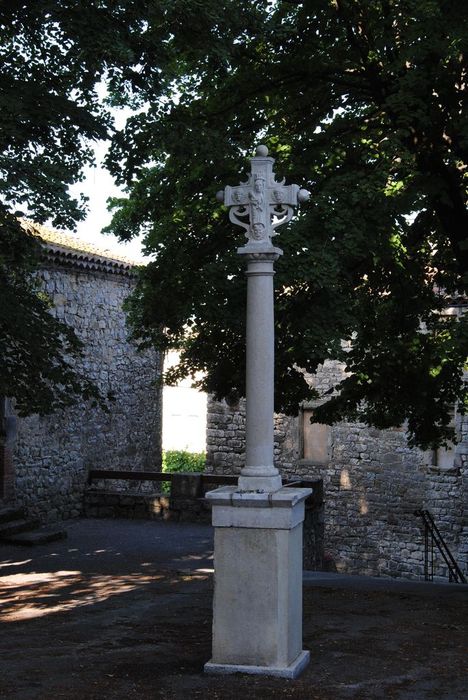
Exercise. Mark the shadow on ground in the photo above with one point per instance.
(123, 609)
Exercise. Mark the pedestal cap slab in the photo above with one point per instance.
(281, 510)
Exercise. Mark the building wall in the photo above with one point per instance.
(225, 439)
(53, 453)
(373, 483)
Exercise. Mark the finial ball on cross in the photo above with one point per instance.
(261, 204)
(261, 150)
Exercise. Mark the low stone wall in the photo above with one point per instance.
(116, 499)
(156, 506)
(186, 503)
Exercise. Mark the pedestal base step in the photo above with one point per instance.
(292, 671)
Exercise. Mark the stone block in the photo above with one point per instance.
(172, 515)
(105, 512)
(257, 625)
(187, 485)
(127, 500)
(111, 499)
(140, 511)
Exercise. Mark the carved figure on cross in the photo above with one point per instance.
(261, 204)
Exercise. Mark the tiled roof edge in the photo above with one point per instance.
(63, 249)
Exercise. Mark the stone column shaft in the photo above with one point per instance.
(260, 367)
(260, 374)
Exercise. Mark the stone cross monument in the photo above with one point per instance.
(260, 205)
(257, 610)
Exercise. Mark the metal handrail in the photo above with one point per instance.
(432, 535)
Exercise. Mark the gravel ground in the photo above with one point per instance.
(122, 609)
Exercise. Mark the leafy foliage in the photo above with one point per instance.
(37, 350)
(176, 461)
(362, 102)
(52, 55)
(181, 461)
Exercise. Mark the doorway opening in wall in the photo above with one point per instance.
(184, 415)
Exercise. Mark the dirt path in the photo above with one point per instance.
(89, 620)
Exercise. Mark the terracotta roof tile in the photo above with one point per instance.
(62, 248)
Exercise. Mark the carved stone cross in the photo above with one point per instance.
(257, 611)
(261, 204)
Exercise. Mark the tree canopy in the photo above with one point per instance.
(53, 54)
(363, 103)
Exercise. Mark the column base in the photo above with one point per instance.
(292, 671)
(267, 484)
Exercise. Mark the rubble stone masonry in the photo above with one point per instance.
(53, 453)
(373, 484)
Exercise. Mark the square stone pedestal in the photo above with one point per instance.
(257, 609)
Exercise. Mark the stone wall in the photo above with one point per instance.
(147, 506)
(373, 482)
(225, 439)
(186, 502)
(53, 453)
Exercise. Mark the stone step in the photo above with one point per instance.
(8, 513)
(15, 526)
(42, 535)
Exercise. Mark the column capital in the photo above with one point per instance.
(260, 253)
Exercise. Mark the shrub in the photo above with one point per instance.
(182, 461)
